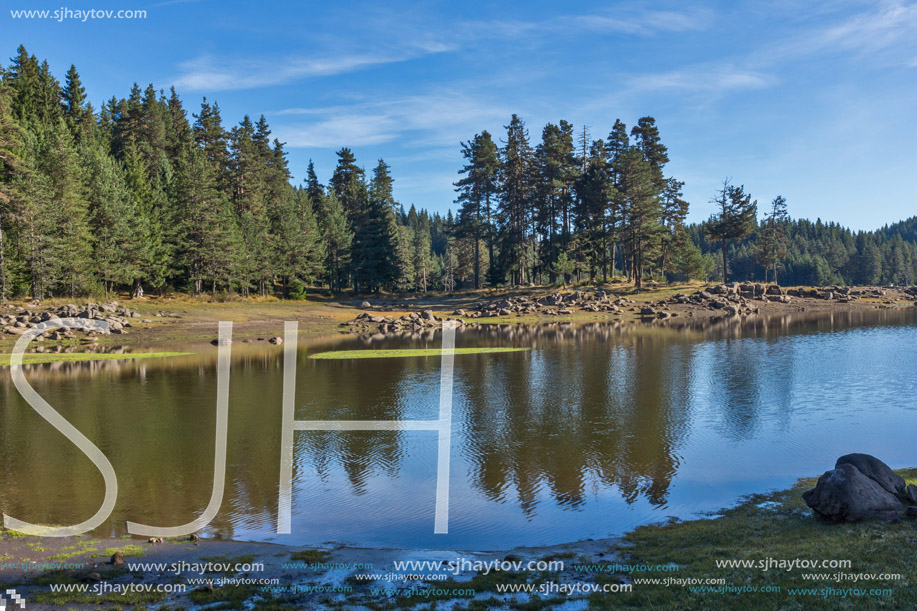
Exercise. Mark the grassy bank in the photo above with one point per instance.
(776, 526)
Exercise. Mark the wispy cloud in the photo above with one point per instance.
(702, 79)
(208, 73)
(629, 22)
(889, 25)
(437, 119)
(643, 23)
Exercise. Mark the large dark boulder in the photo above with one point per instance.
(844, 494)
(876, 470)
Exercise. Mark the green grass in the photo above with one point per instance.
(311, 555)
(127, 550)
(34, 358)
(382, 354)
(785, 529)
(72, 551)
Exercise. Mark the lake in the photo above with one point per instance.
(596, 429)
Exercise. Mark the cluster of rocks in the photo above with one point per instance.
(117, 316)
(409, 323)
(861, 487)
(556, 304)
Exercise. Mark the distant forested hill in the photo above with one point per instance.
(819, 253)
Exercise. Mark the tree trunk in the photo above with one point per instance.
(3, 289)
(725, 273)
(477, 261)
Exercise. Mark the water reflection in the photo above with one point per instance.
(600, 426)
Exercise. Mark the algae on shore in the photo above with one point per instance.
(35, 358)
(379, 354)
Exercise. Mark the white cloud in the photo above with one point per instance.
(436, 119)
(891, 25)
(209, 74)
(645, 23)
(702, 79)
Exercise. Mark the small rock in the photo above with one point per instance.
(365, 305)
(117, 559)
(277, 340)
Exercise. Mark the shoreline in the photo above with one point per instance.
(676, 553)
(178, 320)
(323, 574)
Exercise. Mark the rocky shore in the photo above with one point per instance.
(734, 299)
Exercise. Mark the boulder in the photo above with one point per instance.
(365, 305)
(911, 494)
(773, 289)
(844, 494)
(117, 559)
(876, 470)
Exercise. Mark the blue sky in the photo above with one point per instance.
(812, 100)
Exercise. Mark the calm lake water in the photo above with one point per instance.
(598, 428)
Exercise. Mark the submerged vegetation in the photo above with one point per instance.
(404, 353)
(35, 358)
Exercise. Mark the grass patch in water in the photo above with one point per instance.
(382, 354)
(34, 358)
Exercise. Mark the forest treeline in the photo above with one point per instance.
(138, 195)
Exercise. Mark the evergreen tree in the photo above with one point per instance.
(594, 193)
(11, 169)
(347, 183)
(774, 237)
(557, 170)
(476, 190)
(643, 211)
(515, 200)
(674, 213)
(736, 218)
(337, 237)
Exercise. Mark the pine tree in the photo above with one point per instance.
(11, 169)
(674, 214)
(594, 193)
(556, 170)
(375, 243)
(337, 237)
(66, 211)
(347, 183)
(314, 188)
(476, 190)
(774, 237)
(643, 229)
(118, 249)
(515, 210)
(736, 218)
(647, 141)
(73, 96)
(617, 144)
